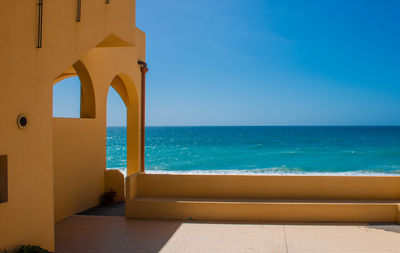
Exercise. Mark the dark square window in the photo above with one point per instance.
(3, 179)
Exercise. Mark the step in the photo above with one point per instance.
(267, 210)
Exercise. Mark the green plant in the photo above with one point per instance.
(26, 249)
(30, 249)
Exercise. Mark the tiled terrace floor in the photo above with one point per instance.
(98, 234)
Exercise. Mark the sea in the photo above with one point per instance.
(271, 150)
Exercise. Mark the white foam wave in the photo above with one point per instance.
(282, 171)
(270, 172)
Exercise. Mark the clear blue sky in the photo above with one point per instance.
(262, 62)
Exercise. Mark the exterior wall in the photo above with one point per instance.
(26, 87)
(79, 164)
(27, 216)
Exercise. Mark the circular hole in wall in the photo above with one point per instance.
(22, 121)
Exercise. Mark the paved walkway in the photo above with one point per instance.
(98, 234)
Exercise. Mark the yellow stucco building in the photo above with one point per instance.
(52, 168)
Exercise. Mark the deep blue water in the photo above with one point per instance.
(269, 150)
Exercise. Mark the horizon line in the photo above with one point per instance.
(266, 126)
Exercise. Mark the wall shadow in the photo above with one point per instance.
(112, 234)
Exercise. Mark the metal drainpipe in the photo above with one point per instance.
(143, 69)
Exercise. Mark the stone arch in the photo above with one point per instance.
(88, 101)
(126, 88)
(119, 87)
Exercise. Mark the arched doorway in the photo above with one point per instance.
(123, 85)
(125, 137)
(66, 98)
(78, 143)
(70, 84)
(116, 132)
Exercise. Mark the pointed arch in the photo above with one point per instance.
(87, 97)
(119, 87)
(88, 101)
(125, 87)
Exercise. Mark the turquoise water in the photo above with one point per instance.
(267, 150)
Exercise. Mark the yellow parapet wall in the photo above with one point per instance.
(265, 198)
(263, 186)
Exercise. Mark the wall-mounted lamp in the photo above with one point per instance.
(22, 121)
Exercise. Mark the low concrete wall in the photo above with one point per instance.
(79, 164)
(131, 186)
(264, 198)
(264, 186)
(115, 181)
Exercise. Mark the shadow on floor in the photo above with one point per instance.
(102, 234)
(107, 234)
(391, 227)
(117, 209)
